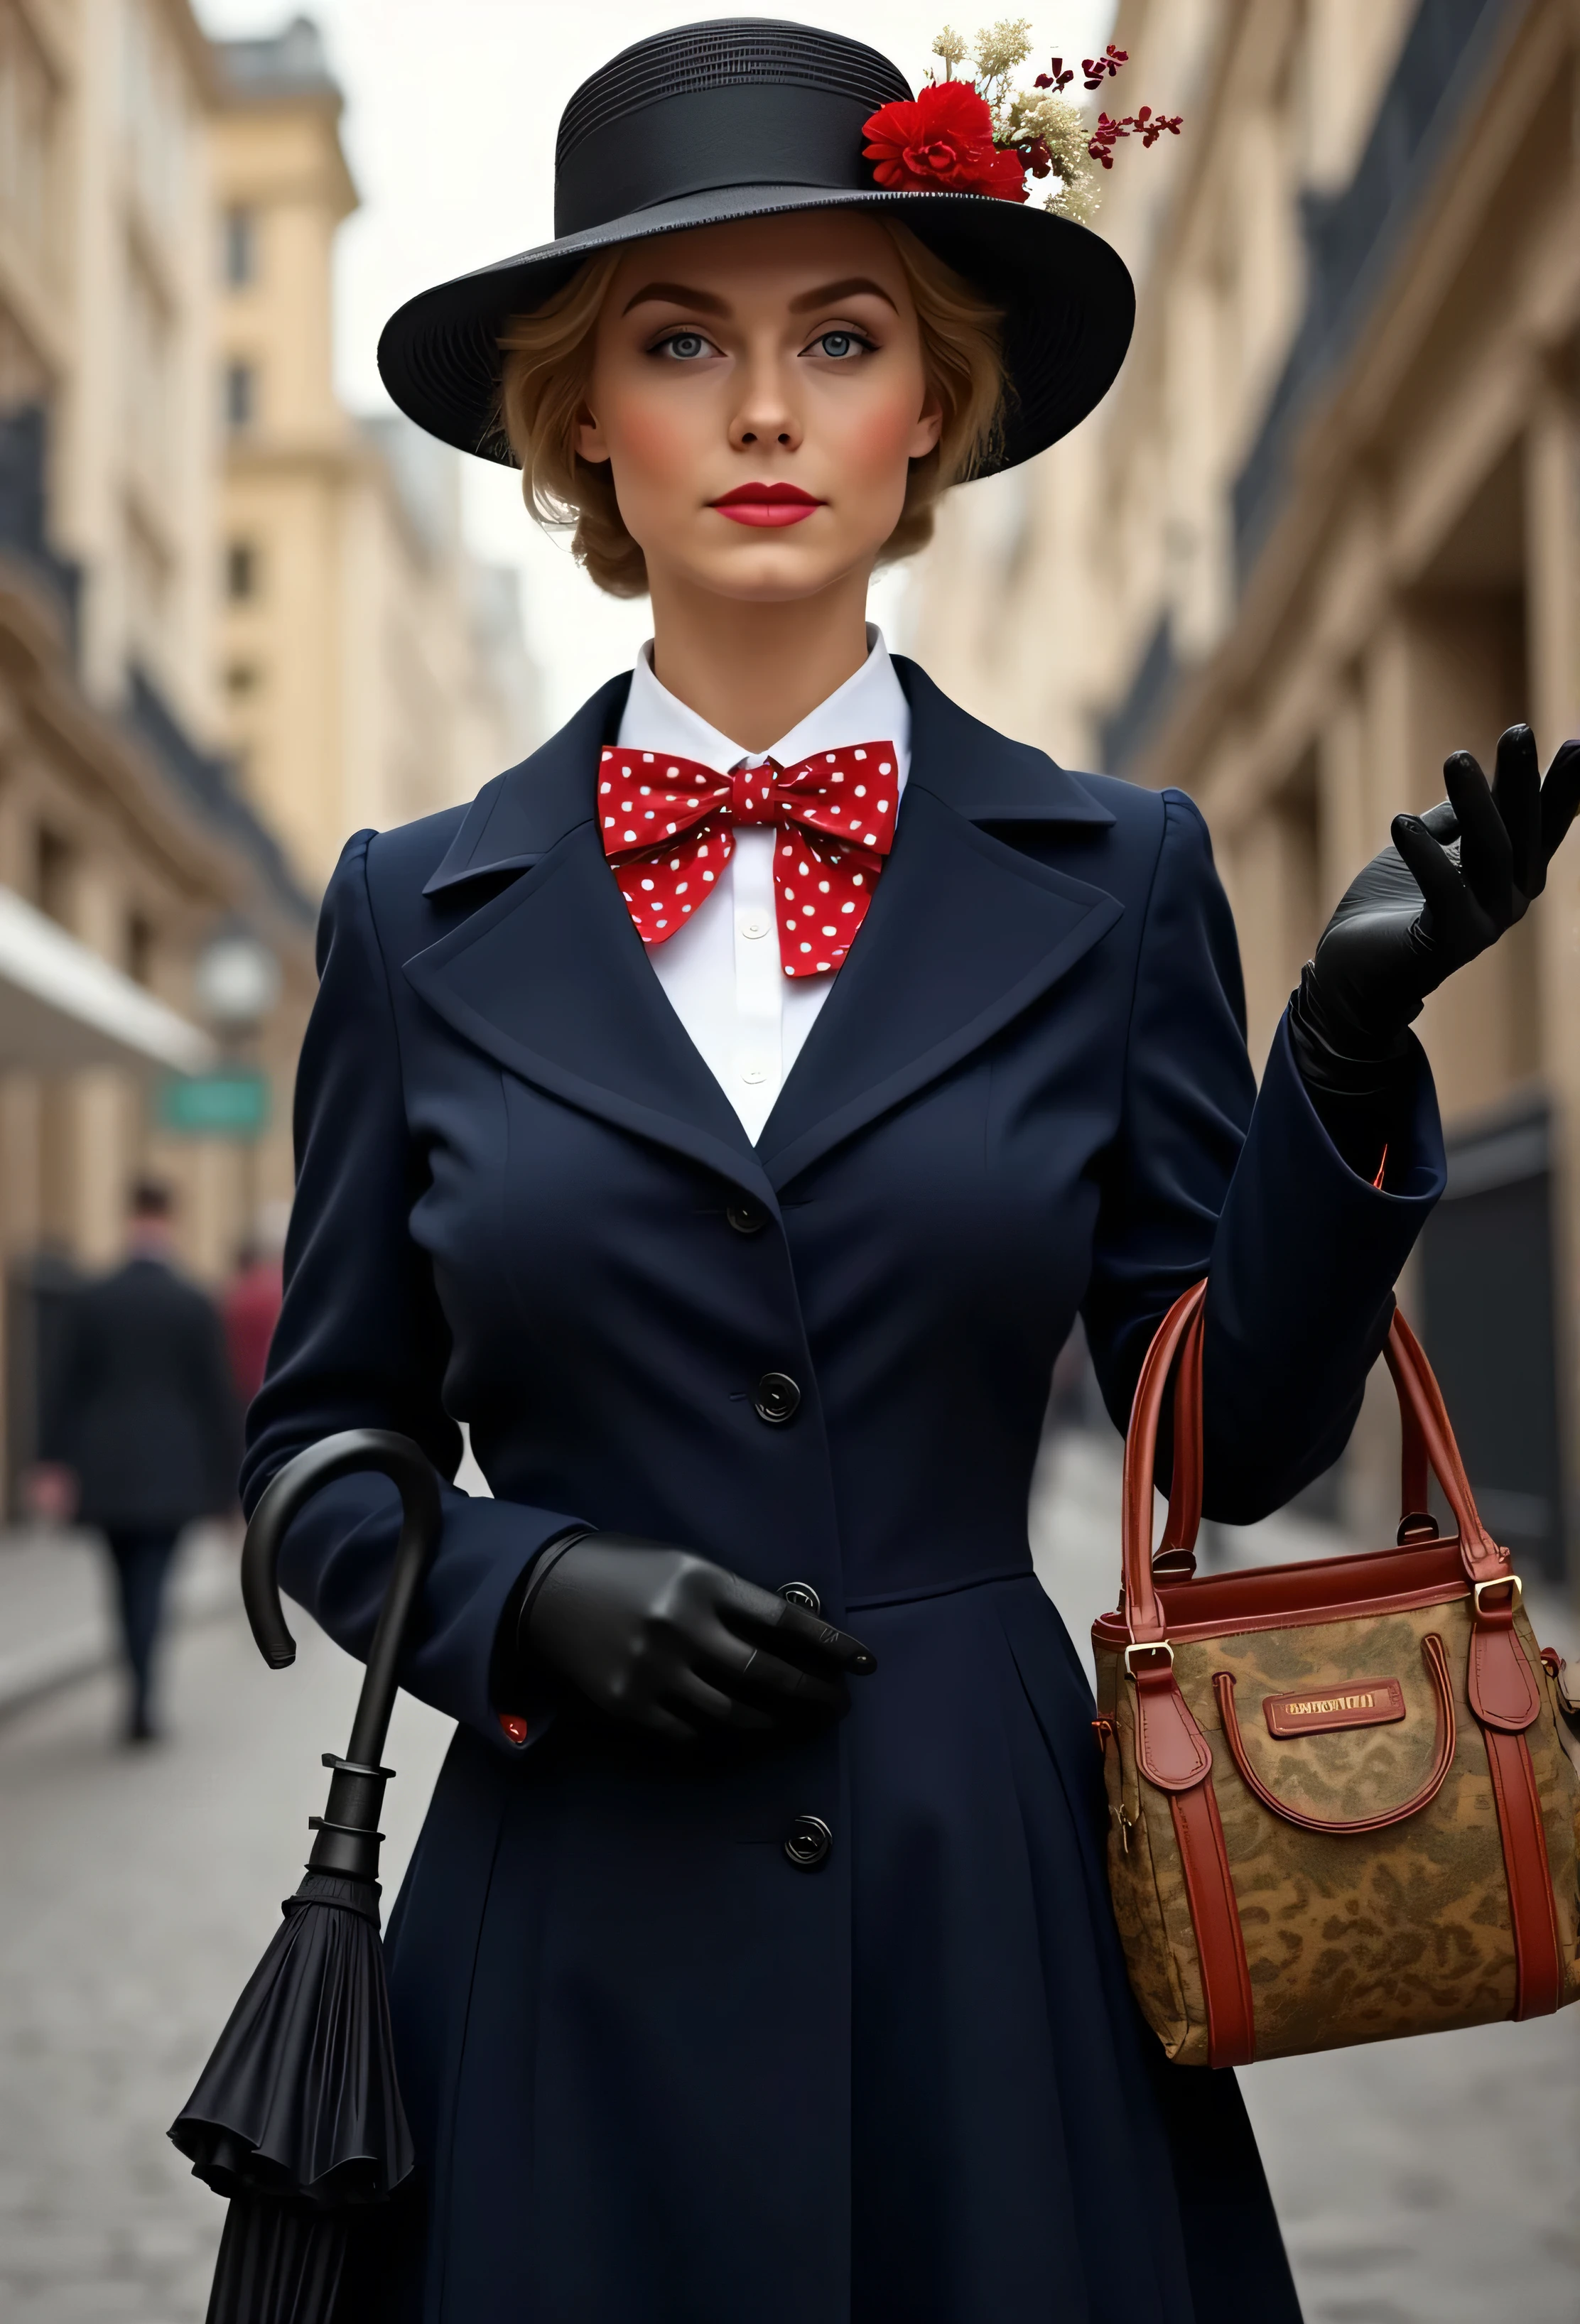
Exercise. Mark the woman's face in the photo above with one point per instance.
(780, 354)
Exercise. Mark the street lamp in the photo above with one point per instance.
(236, 982)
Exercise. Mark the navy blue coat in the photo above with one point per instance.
(657, 2075)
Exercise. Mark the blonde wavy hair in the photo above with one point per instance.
(549, 359)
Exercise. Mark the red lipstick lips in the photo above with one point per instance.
(766, 504)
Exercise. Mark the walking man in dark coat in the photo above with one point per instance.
(141, 1411)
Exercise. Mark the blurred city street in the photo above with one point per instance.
(1429, 2182)
(140, 1889)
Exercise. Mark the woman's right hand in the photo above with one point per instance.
(669, 1641)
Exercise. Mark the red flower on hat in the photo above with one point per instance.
(942, 142)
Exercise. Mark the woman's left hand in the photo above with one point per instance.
(1455, 878)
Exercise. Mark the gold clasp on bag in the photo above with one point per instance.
(1510, 1581)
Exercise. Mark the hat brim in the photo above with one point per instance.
(1066, 295)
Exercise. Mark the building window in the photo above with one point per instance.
(139, 949)
(54, 875)
(240, 254)
(242, 678)
(240, 395)
(241, 570)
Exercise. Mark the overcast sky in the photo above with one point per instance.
(452, 111)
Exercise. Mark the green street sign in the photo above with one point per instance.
(230, 1104)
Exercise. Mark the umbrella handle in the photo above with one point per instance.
(347, 1839)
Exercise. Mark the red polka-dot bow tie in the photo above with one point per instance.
(667, 827)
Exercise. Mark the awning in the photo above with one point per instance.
(62, 1007)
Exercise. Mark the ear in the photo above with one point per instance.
(589, 438)
(928, 428)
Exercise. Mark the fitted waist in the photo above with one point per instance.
(1021, 1572)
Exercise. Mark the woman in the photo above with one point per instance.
(742, 1230)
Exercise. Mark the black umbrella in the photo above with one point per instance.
(297, 2116)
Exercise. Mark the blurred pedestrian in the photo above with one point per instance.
(251, 1305)
(139, 1426)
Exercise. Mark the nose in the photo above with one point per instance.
(766, 412)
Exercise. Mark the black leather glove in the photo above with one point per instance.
(671, 1642)
(1455, 878)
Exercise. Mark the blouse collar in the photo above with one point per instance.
(868, 707)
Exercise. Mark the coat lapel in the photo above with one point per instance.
(550, 979)
(515, 820)
(548, 976)
(963, 933)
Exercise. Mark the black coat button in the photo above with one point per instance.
(801, 1593)
(806, 1844)
(777, 1398)
(746, 1218)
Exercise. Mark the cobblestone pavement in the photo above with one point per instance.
(1425, 2182)
(138, 1891)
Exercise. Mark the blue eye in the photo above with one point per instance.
(839, 345)
(685, 346)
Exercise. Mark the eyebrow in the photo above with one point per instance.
(676, 294)
(704, 302)
(831, 293)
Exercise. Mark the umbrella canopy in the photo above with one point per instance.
(297, 2116)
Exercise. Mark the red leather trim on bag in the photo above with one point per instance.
(1144, 1613)
(1415, 1468)
(1324, 1590)
(1537, 1968)
(1361, 1703)
(1420, 1397)
(1175, 1552)
(1216, 1917)
(1503, 1691)
(1171, 1751)
(1436, 1663)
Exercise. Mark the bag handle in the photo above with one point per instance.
(1421, 1399)
(1175, 1555)
(1427, 1449)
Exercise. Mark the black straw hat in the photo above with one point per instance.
(748, 116)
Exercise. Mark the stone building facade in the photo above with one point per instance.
(118, 820)
(183, 745)
(1326, 530)
(371, 669)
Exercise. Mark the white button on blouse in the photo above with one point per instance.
(722, 972)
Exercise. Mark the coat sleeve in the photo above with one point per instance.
(362, 1342)
(1209, 1175)
(212, 1389)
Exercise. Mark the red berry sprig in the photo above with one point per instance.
(1146, 125)
(1095, 70)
